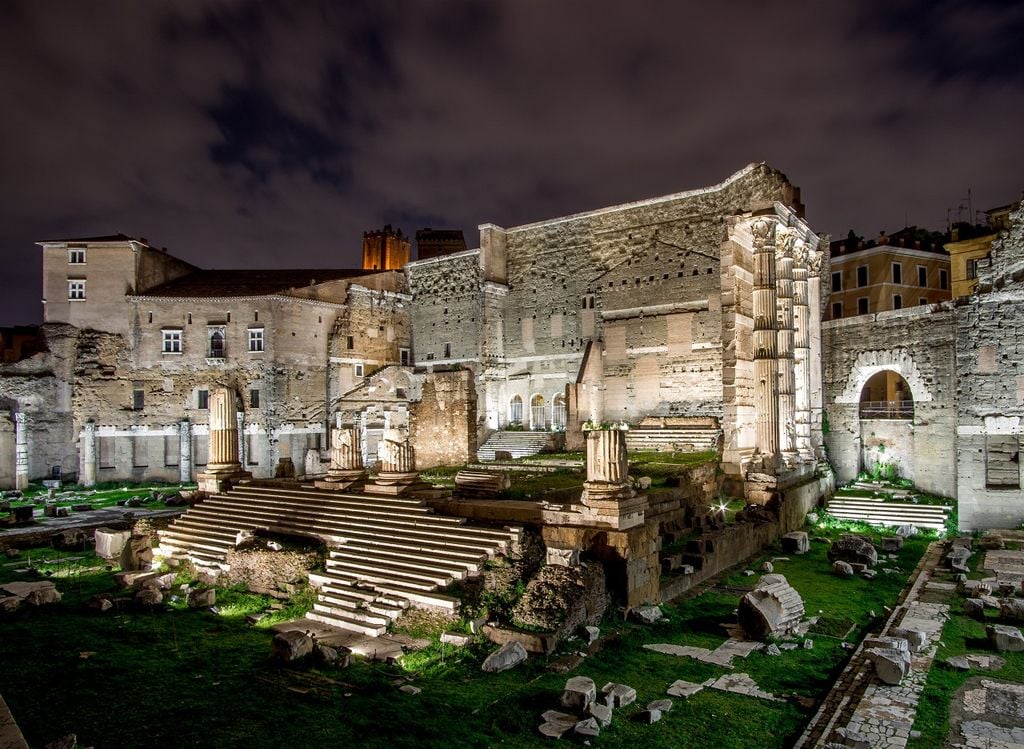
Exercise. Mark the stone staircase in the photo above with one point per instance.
(384, 554)
(878, 511)
(673, 439)
(519, 444)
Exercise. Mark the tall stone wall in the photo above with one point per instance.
(446, 299)
(443, 423)
(918, 343)
(990, 371)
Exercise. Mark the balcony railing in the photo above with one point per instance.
(887, 409)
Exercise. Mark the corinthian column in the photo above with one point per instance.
(223, 433)
(785, 240)
(766, 364)
(802, 351)
(815, 260)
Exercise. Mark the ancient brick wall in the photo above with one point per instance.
(917, 343)
(442, 424)
(446, 308)
(990, 372)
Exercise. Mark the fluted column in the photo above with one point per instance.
(185, 451)
(20, 451)
(396, 455)
(766, 364)
(88, 458)
(223, 432)
(815, 260)
(606, 456)
(346, 449)
(802, 351)
(785, 239)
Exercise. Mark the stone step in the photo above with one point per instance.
(297, 510)
(399, 563)
(323, 500)
(875, 503)
(471, 561)
(394, 592)
(336, 524)
(361, 499)
(416, 540)
(346, 622)
(332, 605)
(384, 572)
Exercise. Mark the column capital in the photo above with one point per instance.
(20, 417)
(763, 228)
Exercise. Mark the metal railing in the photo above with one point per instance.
(887, 409)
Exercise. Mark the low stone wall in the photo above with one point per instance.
(269, 569)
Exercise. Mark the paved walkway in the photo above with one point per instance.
(858, 701)
(10, 734)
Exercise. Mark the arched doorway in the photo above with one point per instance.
(538, 415)
(886, 411)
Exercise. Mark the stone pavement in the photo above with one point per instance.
(720, 656)
(987, 714)
(858, 701)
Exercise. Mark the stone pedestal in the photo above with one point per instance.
(346, 469)
(222, 468)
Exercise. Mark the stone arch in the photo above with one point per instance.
(870, 363)
(515, 409)
(558, 413)
(538, 412)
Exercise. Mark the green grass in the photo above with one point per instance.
(195, 679)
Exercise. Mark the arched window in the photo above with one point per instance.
(538, 416)
(515, 410)
(558, 412)
(886, 395)
(216, 345)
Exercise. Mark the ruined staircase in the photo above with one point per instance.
(384, 554)
(878, 511)
(519, 444)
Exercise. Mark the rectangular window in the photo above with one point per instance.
(255, 339)
(862, 306)
(897, 272)
(76, 256)
(1002, 461)
(837, 281)
(254, 398)
(837, 310)
(138, 399)
(972, 269)
(403, 357)
(922, 301)
(922, 276)
(447, 351)
(943, 279)
(203, 399)
(76, 290)
(172, 342)
(862, 276)
(357, 369)
(350, 342)
(897, 301)
(430, 356)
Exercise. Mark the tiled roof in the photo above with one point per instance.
(108, 238)
(247, 282)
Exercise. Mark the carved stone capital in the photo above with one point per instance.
(763, 229)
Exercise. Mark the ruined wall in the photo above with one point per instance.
(446, 301)
(918, 343)
(990, 372)
(40, 388)
(370, 331)
(443, 422)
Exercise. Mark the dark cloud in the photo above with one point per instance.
(273, 133)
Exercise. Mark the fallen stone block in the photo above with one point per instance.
(618, 695)
(842, 569)
(772, 608)
(662, 706)
(292, 646)
(587, 728)
(681, 688)
(646, 614)
(978, 661)
(853, 549)
(1004, 637)
(892, 544)
(202, 599)
(579, 692)
(1012, 609)
(648, 717)
(891, 665)
(601, 713)
(796, 542)
(917, 639)
(557, 724)
(459, 639)
(508, 656)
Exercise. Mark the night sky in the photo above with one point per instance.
(244, 134)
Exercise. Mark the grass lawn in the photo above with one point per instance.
(187, 678)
